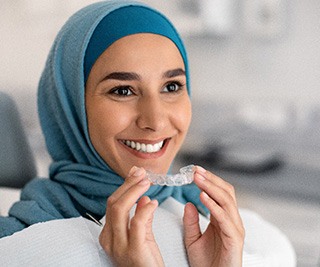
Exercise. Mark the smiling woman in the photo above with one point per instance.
(143, 104)
(114, 100)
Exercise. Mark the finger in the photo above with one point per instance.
(119, 211)
(141, 204)
(229, 230)
(143, 201)
(135, 176)
(118, 208)
(220, 195)
(192, 230)
(141, 223)
(216, 180)
(105, 239)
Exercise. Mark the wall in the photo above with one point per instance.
(237, 68)
(243, 68)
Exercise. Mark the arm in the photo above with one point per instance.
(222, 242)
(130, 242)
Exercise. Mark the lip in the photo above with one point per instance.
(144, 155)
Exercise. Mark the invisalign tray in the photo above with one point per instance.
(184, 177)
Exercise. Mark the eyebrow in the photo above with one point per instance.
(174, 73)
(131, 76)
(123, 76)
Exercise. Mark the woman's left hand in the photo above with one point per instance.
(222, 242)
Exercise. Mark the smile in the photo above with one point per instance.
(142, 147)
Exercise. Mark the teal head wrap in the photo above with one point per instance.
(130, 20)
(79, 180)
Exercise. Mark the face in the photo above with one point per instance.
(138, 108)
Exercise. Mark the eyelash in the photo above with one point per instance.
(177, 83)
(116, 89)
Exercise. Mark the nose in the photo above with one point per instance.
(152, 114)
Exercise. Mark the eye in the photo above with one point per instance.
(172, 87)
(122, 91)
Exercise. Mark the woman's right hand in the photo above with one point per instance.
(130, 241)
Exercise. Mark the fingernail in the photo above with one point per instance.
(132, 170)
(137, 172)
(154, 202)
(201, 169)
(205, 194)
(144, 181)
(201, 176)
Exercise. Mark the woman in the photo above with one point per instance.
(113, 102)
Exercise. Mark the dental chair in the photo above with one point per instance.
(17, 165)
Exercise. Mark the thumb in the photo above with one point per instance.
(192, 230)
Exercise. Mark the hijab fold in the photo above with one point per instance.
(79, 180)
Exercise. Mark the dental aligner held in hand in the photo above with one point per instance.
(184, 177)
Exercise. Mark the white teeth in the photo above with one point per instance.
(146, 148)
(143, 148)
(160, 144)
(156, 147)
(133, 145)
(138, 146)
(149, 148)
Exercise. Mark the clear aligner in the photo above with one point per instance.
(184, 177)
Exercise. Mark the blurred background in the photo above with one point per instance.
(255, 77)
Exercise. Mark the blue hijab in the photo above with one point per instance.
(79, 180)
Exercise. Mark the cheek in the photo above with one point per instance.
(103, 126)
(182, 116)
(106, 123)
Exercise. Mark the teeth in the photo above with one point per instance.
(149, 148)
(143, 148)
(138, 146)
(146, 148)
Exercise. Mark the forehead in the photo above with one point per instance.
(143, 43)
(144, 48)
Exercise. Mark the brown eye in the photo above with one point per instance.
(172, 87)
(122, 91)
